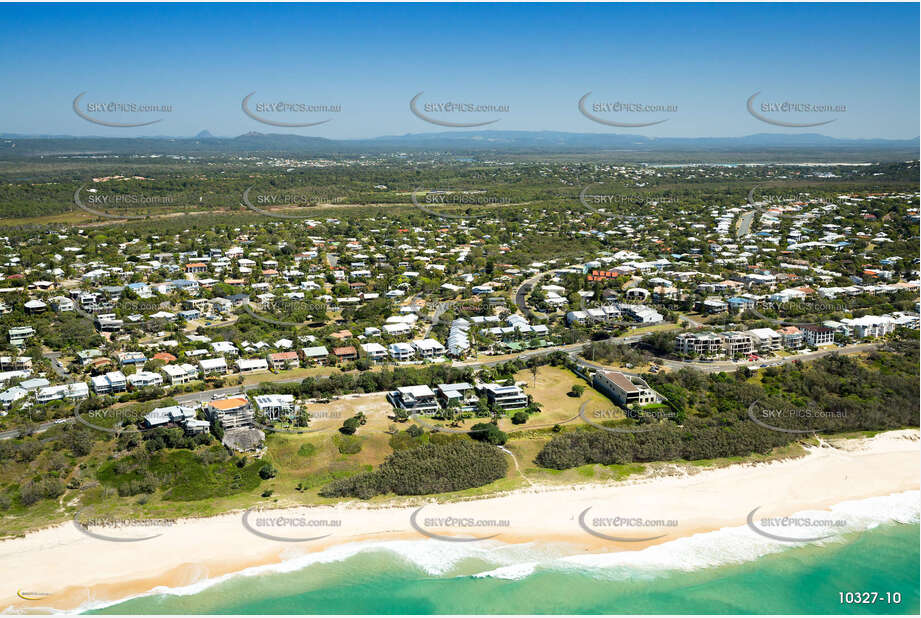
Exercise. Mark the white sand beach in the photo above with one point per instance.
(63, 568)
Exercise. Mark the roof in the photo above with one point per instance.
(230, 403)
(621, 381)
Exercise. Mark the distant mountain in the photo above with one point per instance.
(771, 145)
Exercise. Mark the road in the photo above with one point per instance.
(745, 223)
(572, 350)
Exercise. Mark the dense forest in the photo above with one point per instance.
(427, 469)
(834, 394)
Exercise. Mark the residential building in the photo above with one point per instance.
(418, 399)
(274, 406)
(233, 412)
(505, 397)
(182, 373)
(818, 335)
(623, 389)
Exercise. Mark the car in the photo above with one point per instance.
(763, 365)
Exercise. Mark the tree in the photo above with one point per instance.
(350, 426)
(576, 390)
(520, 418)
(267, 471)
(488, 432)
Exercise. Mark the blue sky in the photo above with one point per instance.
(537, 59)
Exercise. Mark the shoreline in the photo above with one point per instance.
(192, 551)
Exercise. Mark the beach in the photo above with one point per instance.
(64, 568)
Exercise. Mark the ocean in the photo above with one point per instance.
(732, 570)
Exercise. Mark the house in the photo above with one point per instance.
(12, 395)
(505, 397)
(210, 366)
(18, 334)
(33, 307)
(233, 412)
(77, 390)
(416, 399)
(142, 379)
(159, 417)
(112, 382)
(274, 406)
(374, 351)
(251, 365)
(401, 352)
(131, 358)
(15, 363)
(624, 390)
(280, 361)
(460, 394)
(62, 304)
(317, 354)
(818, 335)
(346, 353)
(225, 347)
(182, 373)
(428, 348)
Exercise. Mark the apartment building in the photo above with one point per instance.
(737, 343)
(765, 339)
(818, 335)
(233, 412)
(700, 344)
(870, 326)
(793, 338)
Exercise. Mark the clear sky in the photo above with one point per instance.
(537, 59)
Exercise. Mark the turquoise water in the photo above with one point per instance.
(804, 579)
